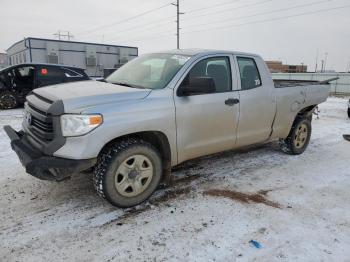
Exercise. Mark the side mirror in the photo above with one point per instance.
(197, 86)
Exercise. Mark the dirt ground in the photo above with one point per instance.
(296, 207)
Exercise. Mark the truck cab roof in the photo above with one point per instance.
(204, 52)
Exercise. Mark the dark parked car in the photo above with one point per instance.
(17, 81)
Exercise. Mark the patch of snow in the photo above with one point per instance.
(49, 221)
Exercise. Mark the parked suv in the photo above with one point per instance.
(17, 81)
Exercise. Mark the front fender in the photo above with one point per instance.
(154, 113)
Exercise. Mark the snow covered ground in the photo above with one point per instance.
(296, 207)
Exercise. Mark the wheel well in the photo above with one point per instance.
(159, 140)
(306, 112)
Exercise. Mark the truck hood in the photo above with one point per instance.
(84, 94)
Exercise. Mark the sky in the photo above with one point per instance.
(295, 32)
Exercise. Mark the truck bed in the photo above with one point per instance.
(280, 83)
(291, 97)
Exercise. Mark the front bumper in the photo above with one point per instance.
(43, 166)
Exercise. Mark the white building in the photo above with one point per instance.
(3, 60)
(90, 56)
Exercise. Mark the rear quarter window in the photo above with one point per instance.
(71, 73)
(74, 74)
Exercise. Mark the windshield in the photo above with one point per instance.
(152, 71)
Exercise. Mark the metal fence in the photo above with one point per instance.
(338, 87)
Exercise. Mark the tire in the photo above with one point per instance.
(128, 172)
(8, 100)
(298, 138)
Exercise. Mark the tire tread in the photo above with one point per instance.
(106, 158)
(287, 143)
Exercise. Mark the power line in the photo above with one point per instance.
(178, 13)
(153, 36)
(158, 35)
(166, 18)
(263, 13)
(124, 20)
(137, 27)
(229, 9)
(212, 6)
(160, 20)
(272, 19)
(149, 28)
(190, 11)
(163, 19)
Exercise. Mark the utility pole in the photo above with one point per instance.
(60, 35)
(325, 60)
(322, 65)
(69, 36)
(178, 13)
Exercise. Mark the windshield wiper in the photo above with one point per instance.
(126, 84)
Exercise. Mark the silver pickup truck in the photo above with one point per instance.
(156, 112)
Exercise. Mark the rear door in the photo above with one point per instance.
(257, 101)
(48, 75)
(206, 123)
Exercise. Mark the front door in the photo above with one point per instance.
(207, 123)
(22, 81)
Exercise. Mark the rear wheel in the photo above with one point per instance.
(298, 138)
(128, 172)
(8, 100)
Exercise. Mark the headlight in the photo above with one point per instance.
(77, 125)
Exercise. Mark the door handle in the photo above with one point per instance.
(231, 101)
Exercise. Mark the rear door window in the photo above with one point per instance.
(249, 73)
(47, 75)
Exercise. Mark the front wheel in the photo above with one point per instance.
(298, 138)
(128, 172)
(8, 100)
